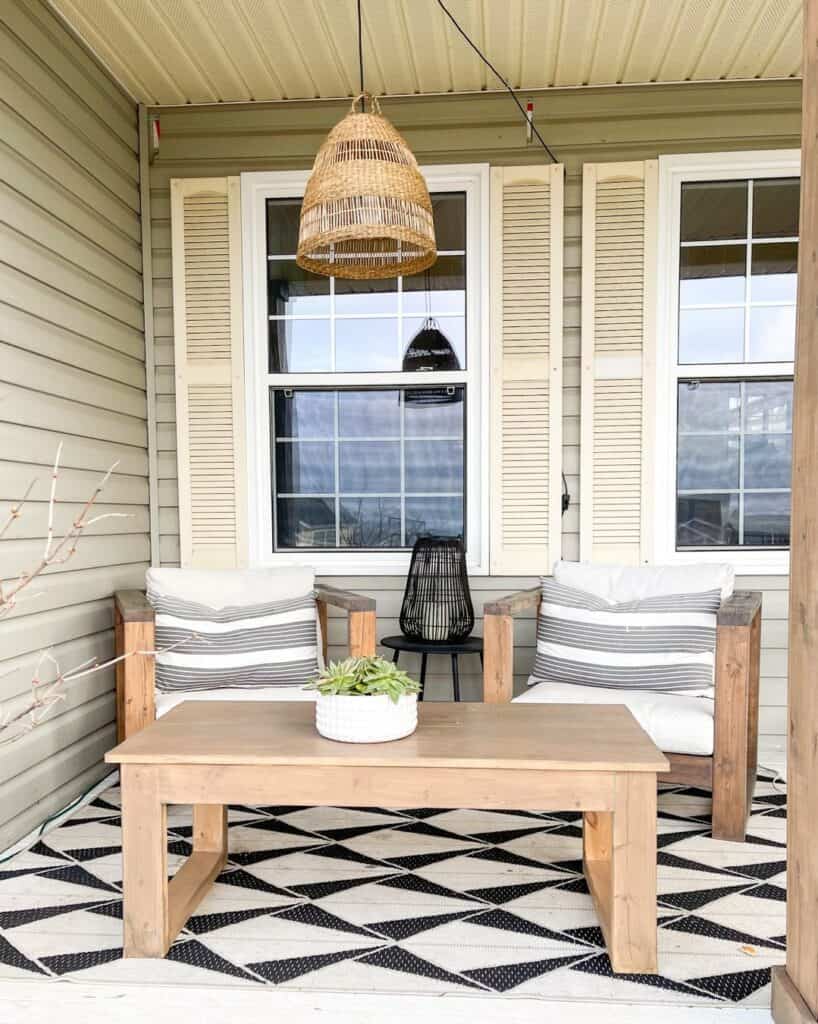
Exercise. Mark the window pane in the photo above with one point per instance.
(434, 412)
(449, 210)
(707, 519)
(711, 335)
(709, 407)
(775, 267)
(445, 350)
(708, 462)
(391, 446)
(434, 466)
(378, 296)
(441, 516)
(714, 210)
(767, 460)
(767, 519)
(366, 345)
(369, 467)
(300, 346)
(752, 423)
(305, 467)
(291, 290)
(374, 413)
(772, 334)
(305, 414)
(441, 289)
(282, 226)
(768, 406)
(305, 523)
(370, 523)
(775, 208)
(712, 274)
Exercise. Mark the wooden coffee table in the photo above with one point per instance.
(512, 756)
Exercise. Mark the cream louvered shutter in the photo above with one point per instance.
(619, 212)
(207, 323)
(526, 367)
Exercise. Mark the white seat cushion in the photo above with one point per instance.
(166, 701)
(677, 723)
(618, 583)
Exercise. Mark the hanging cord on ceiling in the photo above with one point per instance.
(494, 70)
(361, 58)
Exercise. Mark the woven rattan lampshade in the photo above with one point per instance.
(366, 211)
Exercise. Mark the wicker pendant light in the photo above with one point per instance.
(366, 211)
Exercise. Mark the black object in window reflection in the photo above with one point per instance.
(430, 349)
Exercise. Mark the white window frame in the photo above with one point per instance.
(673, 172)
(256, 188)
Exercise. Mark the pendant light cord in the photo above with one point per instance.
(494, 70)
(361, 57)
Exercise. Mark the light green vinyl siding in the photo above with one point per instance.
(590, 125)
(72, 369)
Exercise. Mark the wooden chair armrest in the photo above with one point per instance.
(740, 609)
(513, 603)
(360, 611)
(133, 606)
(498, 642)
(346, 599)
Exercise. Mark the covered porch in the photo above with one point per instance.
(621, 306)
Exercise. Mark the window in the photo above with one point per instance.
(365, 395)
(731, 247)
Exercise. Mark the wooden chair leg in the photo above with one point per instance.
(736, 729)
(361, 634)
(498, 664)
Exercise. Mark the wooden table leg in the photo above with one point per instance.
(194, 878)
(144, 863)
(619, 853)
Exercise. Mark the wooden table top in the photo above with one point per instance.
(554, 737)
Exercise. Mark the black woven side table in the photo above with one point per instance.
(471, 645)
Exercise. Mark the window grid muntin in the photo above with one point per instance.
(338, 439)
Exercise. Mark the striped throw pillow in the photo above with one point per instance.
(250, 647)
(666, 644)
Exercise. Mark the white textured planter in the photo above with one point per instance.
(365, 719)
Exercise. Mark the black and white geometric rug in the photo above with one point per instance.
(426, 900)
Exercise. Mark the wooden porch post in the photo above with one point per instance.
(795, 988)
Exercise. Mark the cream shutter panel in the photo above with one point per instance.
(526, 368)
(207, 325)
(619, 213)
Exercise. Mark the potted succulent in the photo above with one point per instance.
(365, 700)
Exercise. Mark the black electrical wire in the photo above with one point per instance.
(494, 70)
(361, 55)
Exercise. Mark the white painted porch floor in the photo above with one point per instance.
(487, 906)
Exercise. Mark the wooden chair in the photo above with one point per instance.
(134, 624)
(731, 771)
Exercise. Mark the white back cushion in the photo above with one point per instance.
(231, 588)
(635, 583)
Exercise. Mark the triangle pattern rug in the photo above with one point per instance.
(424, 900)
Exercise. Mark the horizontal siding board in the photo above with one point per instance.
(92, 552)
(77, 585)
(70, 209)
(36, 448)
(27, 369)
(73, 485)
(65, 630)
(36, 409)
(33, 522)
(42, 337)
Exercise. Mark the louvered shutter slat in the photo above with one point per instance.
(526, 383)
(206, 241)
(619, 207)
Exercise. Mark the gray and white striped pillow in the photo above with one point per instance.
(249, 647)
(666, 644)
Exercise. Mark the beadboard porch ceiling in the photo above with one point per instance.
(168, 52)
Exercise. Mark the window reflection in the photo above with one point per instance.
(734, 456)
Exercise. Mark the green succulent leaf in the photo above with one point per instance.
(364, 677)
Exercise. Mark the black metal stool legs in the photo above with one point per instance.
(455, 678)
(422, 676)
